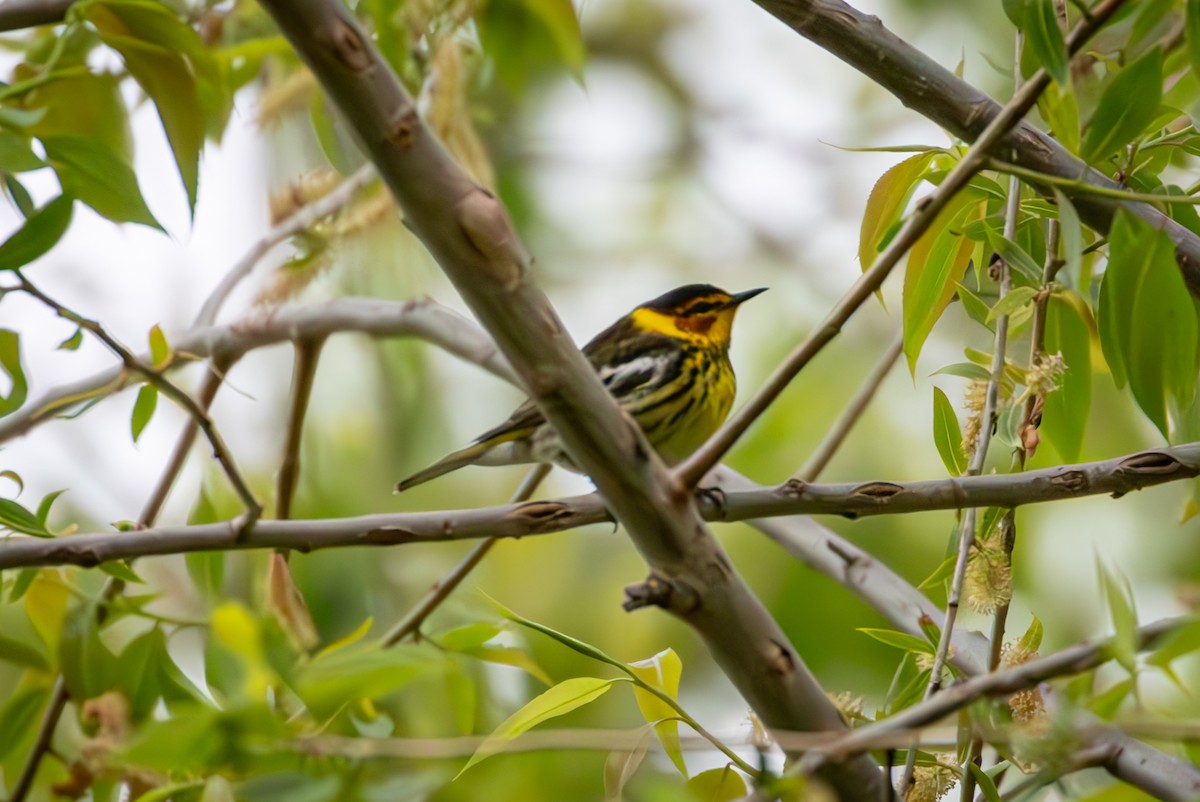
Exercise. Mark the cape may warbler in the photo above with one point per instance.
(666, 363)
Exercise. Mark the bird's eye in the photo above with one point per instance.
(700, 308)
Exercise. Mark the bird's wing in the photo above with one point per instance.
(522, 422)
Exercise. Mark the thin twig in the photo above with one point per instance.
(41, 744)
(371, 316)
(304, 369)
(851, 415)
(252, 507)
(214, 377)
(300, 220)
(975, 159)
(411, 623)
(1071, 660)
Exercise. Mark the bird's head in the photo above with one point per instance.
(697, 312)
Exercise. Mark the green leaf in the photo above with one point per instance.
(936, 263)
(160, 351)
(947, 435)
(661, 671)
(45, 505)
(717, 785)
(20, 196)
(524, 37)
(557, 701)
(40, 232)
(88, 667)
(1060, 108)
(207, 571)
(137, 672)
(1192, 29)
(886, 203)
(1031, 641)
(1015, 11)
(290, 786)
(333, 680)
(168, 59)
(1071, 236)
(16, 156)
(10, 363)
(1045, 38)
(975, 307)
(19, 716)
(965, 370)
(1181, 642)
(1105, 705)
(1069, 333)
(143, 409)
(940, 574)
(509, 656)
(13, 651)
(1128, 104)
(72, 343)
(15, 517)
(1119, 596)
(1016, 257)
(901, 640)
(1147, 320)
(1014, 300)
(99, 176)
(118, 569)
(986, 785)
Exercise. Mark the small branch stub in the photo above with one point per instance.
(659, 591)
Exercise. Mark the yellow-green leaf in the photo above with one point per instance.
(935, 263)
(1128, 104)
(717, 785)
(10, 363)
(46, 606)
(1069, 333)
(559, 700)
(1045, 38)
(40, 232)
(661, 671)
(1147, 320)
(160, 351)
(143, 409)
(886, 203)
(947, 435)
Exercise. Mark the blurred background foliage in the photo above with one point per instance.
(658, 143)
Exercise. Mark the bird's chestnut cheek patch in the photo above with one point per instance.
(699, 324)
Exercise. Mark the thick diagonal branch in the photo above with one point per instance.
(468, 232)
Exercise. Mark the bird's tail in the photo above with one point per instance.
(451, 462)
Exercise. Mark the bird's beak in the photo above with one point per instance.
(742, 297)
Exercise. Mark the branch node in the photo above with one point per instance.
(348, 46)
(403, 128)
(487, 228)
(879, 492)
(659, 591)
(779, 658)
(1154, 463)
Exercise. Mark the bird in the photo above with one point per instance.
(666, 363)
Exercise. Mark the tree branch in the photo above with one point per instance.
(1071, 660)
(1117, 476)
(931, 90)
(468, 232)
(18, 14)
(422, 318)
